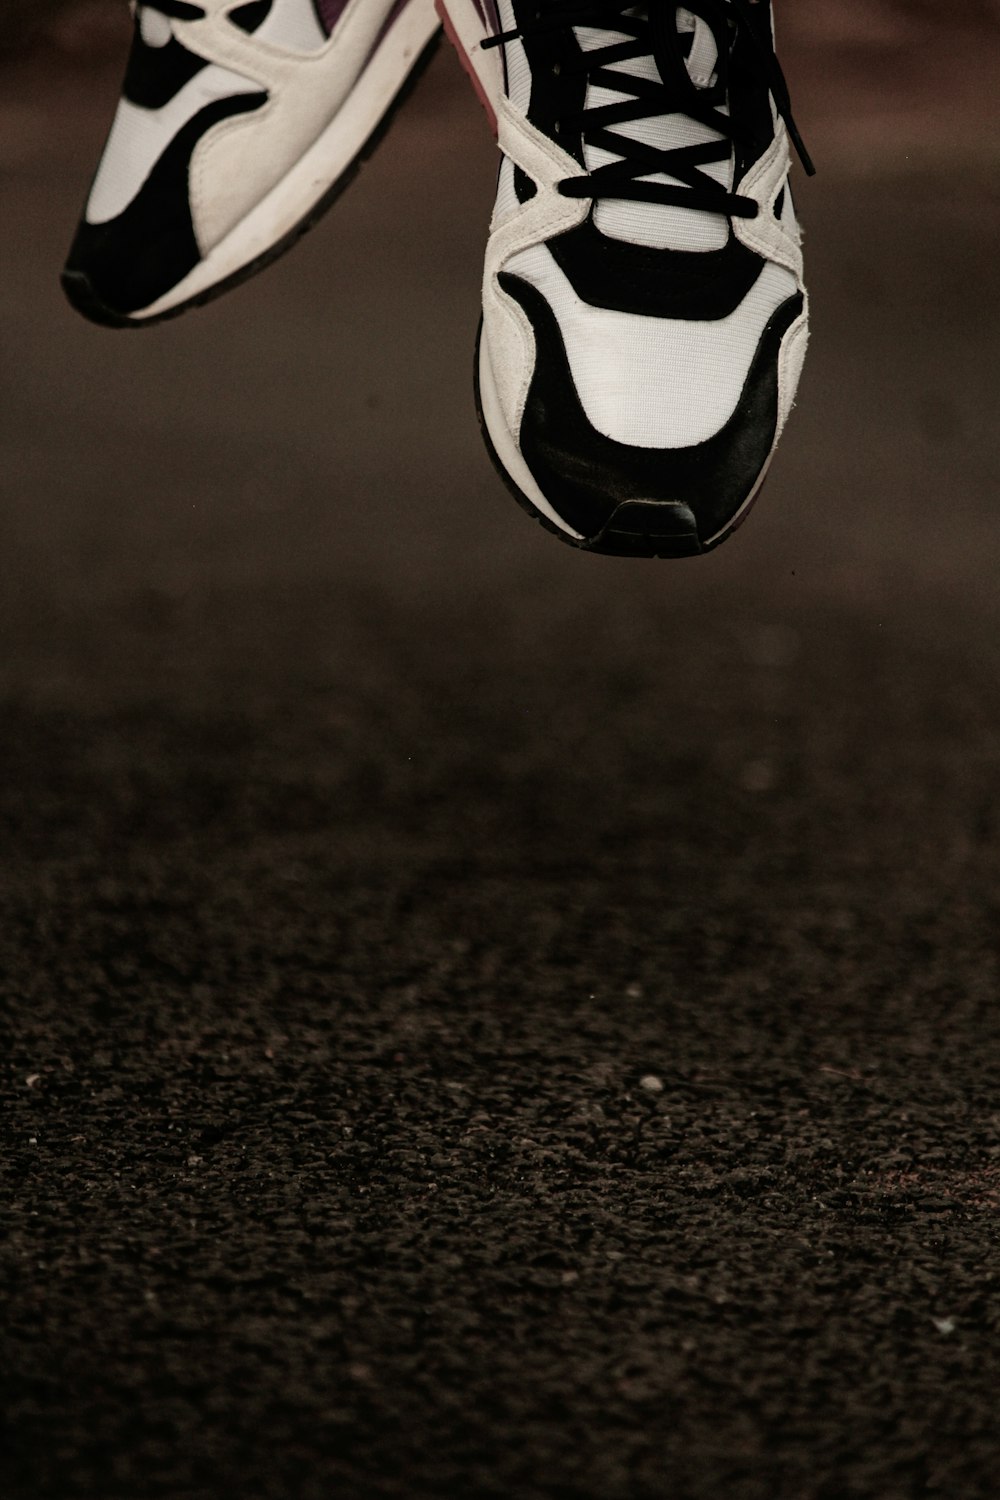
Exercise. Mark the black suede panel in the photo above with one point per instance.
(586, 475)
(135, 258)
(655, 283)
(524, 186)
(248, 17)
(155, 74)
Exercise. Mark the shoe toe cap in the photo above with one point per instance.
(645, 501)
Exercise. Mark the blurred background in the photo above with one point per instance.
(479, 1018)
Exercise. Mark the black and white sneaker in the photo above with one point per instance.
(644, 312)
(239, 123)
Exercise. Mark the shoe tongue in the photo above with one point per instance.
(659, 226)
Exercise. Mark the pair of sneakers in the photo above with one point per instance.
(644, 312)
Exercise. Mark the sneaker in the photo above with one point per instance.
(239, 124)
(644, 313)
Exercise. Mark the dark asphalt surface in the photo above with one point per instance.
(480, 1020)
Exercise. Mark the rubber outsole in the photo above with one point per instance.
(82, 297)
(664, 531)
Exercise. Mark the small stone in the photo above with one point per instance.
(651, 1083)
(944, 1325)
(634, 992)
(32, 1079)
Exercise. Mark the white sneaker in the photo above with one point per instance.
(644, 311)
(240, 122)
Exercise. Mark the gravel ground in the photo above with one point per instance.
(480, 1020)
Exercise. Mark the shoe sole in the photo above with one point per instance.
(292, 204)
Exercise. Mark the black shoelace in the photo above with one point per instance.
(652, 31)
(180, 10)
(247, 16)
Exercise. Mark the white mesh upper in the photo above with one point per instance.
(518, 71)
(294, 25)
(655, 382)
(139, 137)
